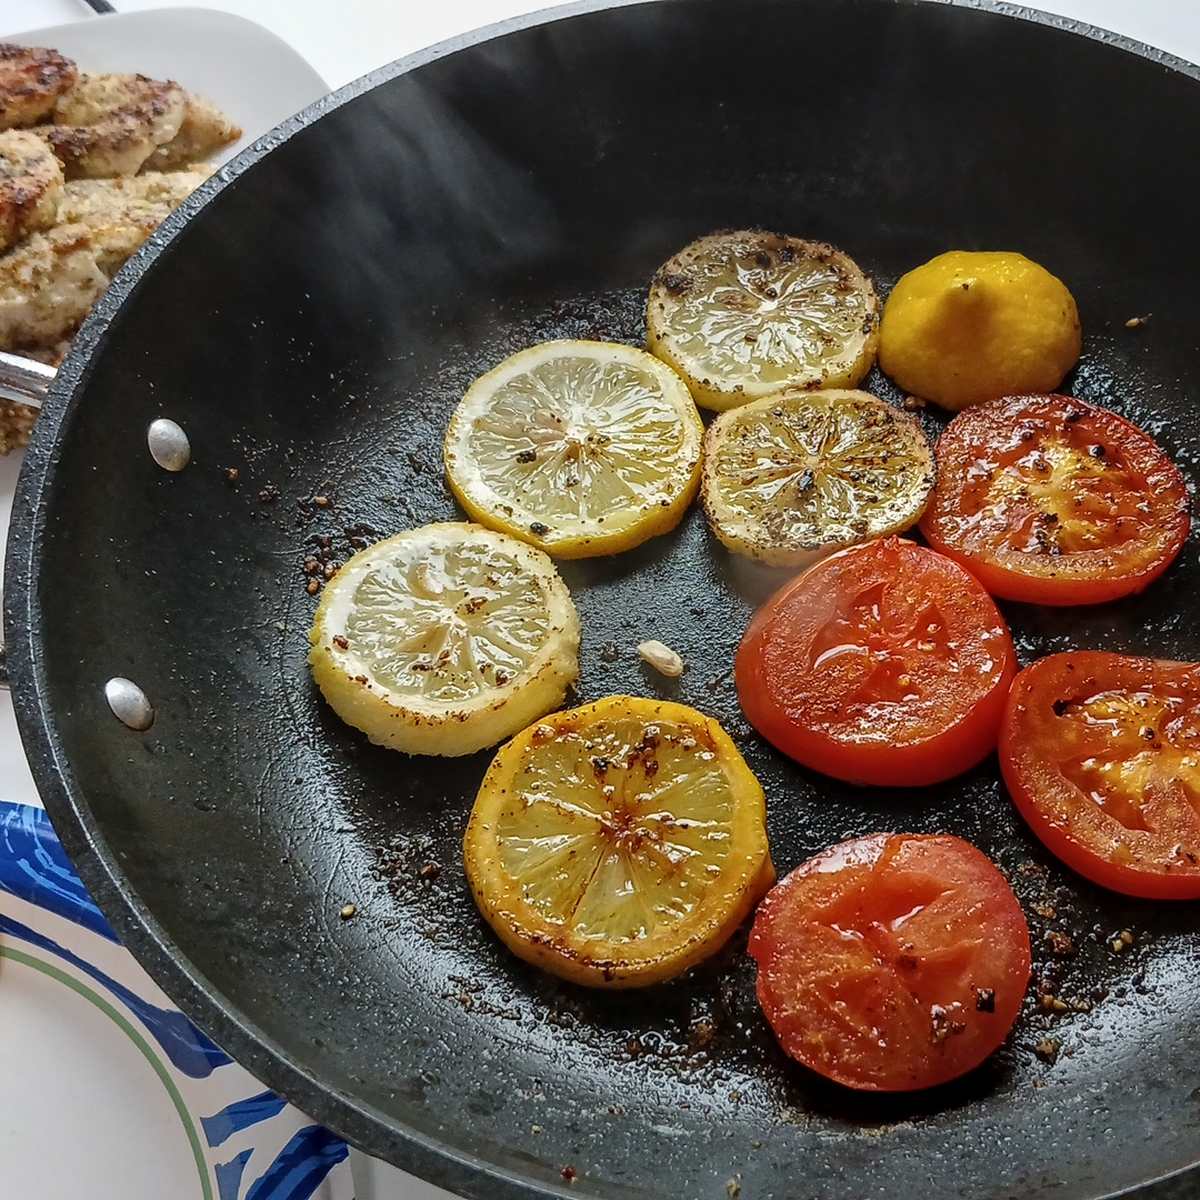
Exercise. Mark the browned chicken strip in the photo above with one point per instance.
(109, 125)
(50, 281)
(31, 186)
(205, 130)
(16, 426)
(31, 81)
(104, 161)
(47, 284)
(52, 356)
(122, 213)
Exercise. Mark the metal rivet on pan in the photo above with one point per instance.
(169, 445)
(129, 704)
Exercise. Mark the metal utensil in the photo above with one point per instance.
(24, 380)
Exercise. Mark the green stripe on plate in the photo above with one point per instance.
(160, 1068)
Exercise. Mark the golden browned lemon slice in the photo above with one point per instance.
(792, 477)
(742, 314)
(619, 843)
(579, 448)
(444, 639)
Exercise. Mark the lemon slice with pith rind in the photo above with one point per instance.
(444, 639)
(579, 448)
(742, 314)
(619, 843)
(794, 476)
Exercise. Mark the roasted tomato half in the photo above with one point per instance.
(1051, 500)
(1101, 753)
(892, 962)
(884, 664)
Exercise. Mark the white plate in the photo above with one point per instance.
(246, 70)
(89, 1041)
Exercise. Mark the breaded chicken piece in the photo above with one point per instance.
(109, 125)
(52, 356)
(205, 129)
(47, 285)
(31, 186)
(16, 426)
(122, 213)
(17, 420)
(31, 81)
(51, 280)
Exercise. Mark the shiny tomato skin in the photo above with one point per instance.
(1051, 500)
(848, 669)
(1101, 755)
(892, 962)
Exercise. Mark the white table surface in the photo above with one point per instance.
(344, 39)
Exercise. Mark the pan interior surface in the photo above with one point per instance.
(314, 328)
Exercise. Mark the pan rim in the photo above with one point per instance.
(361, 1123)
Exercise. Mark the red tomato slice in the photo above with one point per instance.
(883, 664)
(1051, 500)
(1101, 753)
(892, 962)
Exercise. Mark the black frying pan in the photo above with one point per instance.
(313, 327)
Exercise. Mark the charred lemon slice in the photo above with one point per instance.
(444, 639)
(743, 314)
(795, 476)
(619, 843)
(579, 448)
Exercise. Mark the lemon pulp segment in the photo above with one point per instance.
(794, 476)
(444, 639)
(743, 314)
(579, 448)
(619, 843)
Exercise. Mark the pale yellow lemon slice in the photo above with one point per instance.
(579, 448)
(444, 639)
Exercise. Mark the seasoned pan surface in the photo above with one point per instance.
(313, 327)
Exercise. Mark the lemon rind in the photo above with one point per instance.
(910, 356)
